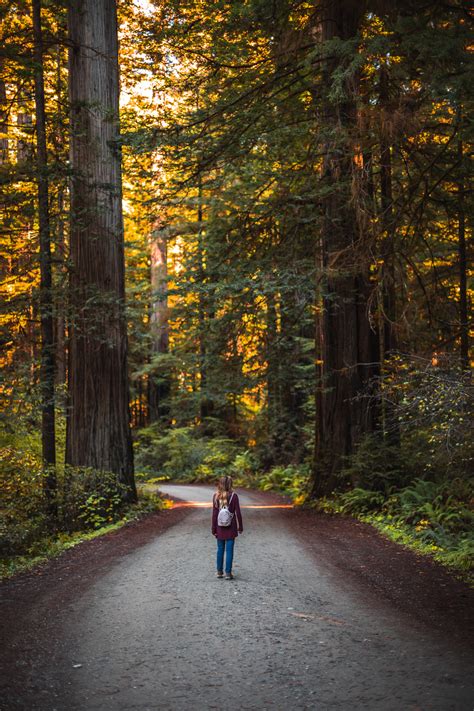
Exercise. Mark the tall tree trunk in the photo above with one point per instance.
(349, 346)
(272, 376)
(388, 333)
(386, 200)
(46, 301)
(60, 320)
(159, 390)
(462, 256)
(98, 425)
(60, 146)
(206, 405)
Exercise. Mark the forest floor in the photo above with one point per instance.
(323, 613)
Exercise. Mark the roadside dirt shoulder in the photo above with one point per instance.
(415, 584)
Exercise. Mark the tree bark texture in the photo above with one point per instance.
(98, 427)
(159, 391)
(272, 375)
(462, 256)
(206, 404)
(60, 141)
(390, 426)
(48, 438)
(386, 204)
(348, 344)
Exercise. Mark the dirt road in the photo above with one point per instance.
(153, 629)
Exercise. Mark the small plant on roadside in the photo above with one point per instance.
(88, 498)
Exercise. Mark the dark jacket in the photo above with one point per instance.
(236, 527)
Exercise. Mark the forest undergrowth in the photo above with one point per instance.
(88, 503)
(414, 484)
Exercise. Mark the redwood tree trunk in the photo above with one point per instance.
(46, 301)
(159, 390)
(388, 252)
(98, 427)
(462, 256)
(206, 404)
(348, 344)
(388, 335)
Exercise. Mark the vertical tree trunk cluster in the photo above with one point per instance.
(98, 428)
(348, 346)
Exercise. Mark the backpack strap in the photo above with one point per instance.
(216, 501)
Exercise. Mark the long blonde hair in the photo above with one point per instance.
(224, 490)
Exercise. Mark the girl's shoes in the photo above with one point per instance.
(220, 574)
(229, 576)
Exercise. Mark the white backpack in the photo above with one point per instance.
(224, 517)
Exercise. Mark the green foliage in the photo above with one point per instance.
(54, 545)
(292, 480)
(419, 489)
(183, 455)
(436, 517)
(22, 510)
(378, 465)
(432, 409)
(88, 499)
(361, 501)
(437, 509)
(245, 466)
(431, 414)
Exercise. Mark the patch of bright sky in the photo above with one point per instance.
(143, 88)
(145, 6)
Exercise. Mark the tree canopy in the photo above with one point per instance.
(262, 253)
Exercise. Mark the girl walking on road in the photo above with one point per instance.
(226, 524)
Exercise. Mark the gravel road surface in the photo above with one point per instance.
(158, 631)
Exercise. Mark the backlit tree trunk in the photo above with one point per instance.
(98, 428)
(159, 390)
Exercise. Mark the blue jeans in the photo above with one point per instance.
(228, 547)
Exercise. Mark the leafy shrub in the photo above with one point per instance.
(361, 501)
(244, 469)
(431, 407)
(22, 510)
(378, 465)
(88, 499)
(434, 507)
(182, 454)
(292, 480)
(436, 514)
